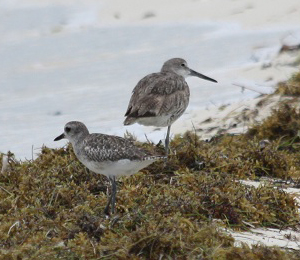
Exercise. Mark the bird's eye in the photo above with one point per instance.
(67, 129)
(182, 65)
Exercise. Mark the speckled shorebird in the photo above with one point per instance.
(159, 99)
(109, 155)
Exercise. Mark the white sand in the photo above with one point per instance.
(79, 60)
(252, 14)
(288, 239)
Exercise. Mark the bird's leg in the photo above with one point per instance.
(167, 142)
(113, 193)
(111, 197)
(106, 210)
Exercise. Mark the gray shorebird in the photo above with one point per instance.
(112, 156)
(159, 99)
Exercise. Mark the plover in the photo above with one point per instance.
(159, 99)
(112, 156)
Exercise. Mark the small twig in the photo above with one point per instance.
(52, 196)
(94, 249)
(195, 132)
(249, 88)
(248, 224)
(147, 139)
(11, 194)
(16, 223)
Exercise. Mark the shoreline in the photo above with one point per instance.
(59, 77)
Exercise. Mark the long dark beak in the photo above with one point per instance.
(199, 75)
(62, 136)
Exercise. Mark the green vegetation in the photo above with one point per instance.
(52, 207)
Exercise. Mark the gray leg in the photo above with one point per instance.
(114, 192)
(112, 197)
(106, 210)
(167, 141)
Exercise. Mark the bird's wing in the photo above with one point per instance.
(100, 147)
(156, 93)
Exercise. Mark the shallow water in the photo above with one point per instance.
(56, 67)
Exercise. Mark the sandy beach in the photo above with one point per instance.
(74, 60)
(272, 67)
(253, 14)
(81, 60)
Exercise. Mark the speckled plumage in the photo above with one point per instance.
(101, 147)
(99, 152)
(110, 155)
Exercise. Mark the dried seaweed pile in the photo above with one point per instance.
(52, 207)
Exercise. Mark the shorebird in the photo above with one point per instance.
(159, 99)
(112, 156)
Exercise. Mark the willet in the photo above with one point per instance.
(159, 99)
(109, 155)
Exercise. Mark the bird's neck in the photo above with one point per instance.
(79, 139)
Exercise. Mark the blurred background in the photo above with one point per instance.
(80, 60)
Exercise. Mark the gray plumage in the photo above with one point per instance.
(163, 94)
(110, 155)
(100, 147)
(159, 99)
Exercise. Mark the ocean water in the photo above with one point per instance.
(58, 64)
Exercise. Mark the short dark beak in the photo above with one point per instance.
(62, 136)
(199, 75)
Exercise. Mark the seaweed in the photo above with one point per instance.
(52, 207)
